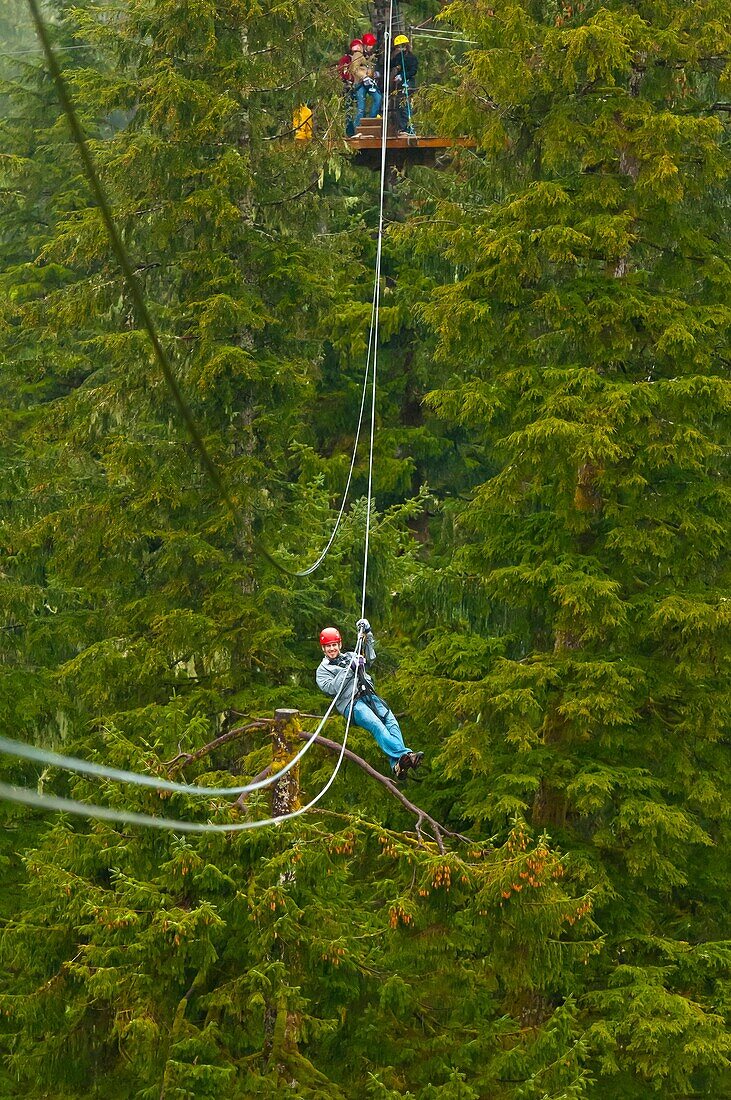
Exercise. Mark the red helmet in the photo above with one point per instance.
(329, 635)
(369, 39)
(357, 42)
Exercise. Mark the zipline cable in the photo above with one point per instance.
(441, 38)
(379, 254)
(315, 565)
(17, 749)
(311, 568)
(41, 801)
(372, 334)
(37, 800)
(122, 258)
(22, 751)
(58, 49)
(443, 34)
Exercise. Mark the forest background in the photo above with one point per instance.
(549, 564)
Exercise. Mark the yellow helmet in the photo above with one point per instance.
(400, 40)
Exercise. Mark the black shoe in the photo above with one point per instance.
(410, 760)
(398, 771)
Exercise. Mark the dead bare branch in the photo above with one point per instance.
(241, 801)
(184, 758)
(439, 831)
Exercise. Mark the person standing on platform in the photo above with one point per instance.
(404, 66)
(374, 54)
(362, 71)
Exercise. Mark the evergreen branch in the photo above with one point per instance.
(281, 87)
(96, 282)
(315, 105)
(439, 830)
(244, 796)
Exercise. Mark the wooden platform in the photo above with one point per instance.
(416, 148)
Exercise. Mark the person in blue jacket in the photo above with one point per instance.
(335, 676)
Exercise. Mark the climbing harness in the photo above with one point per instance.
(369, 697)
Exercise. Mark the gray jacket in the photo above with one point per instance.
(336, 677)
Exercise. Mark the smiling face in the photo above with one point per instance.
(331, 650)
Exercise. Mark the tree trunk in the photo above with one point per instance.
(281, 1027)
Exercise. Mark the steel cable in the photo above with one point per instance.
(379, 253)
(39, 800)
(143, 314)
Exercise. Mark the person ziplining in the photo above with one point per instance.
(335, 675)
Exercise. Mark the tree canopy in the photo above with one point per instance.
(548, 579)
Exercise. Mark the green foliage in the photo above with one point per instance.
(584, 338)
(548, 573)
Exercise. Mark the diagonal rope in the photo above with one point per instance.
(315, 565)
(37, 799)
(123, 259)
(22, 751)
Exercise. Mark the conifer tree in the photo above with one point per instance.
(583, 346)
(336, 956)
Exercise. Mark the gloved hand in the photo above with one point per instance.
(363, 626)
(357, 662)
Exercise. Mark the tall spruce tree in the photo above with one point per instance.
(580, 672)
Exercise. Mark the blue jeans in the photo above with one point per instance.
(402, 108)
(386, 731)
(360, 102)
